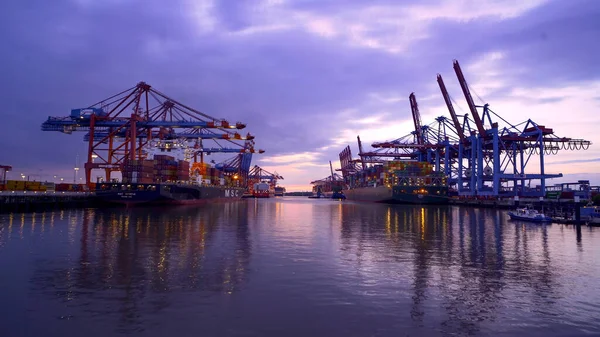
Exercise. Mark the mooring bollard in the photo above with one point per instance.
(577, 214)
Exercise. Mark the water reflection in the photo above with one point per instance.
(461, 257)
(130, 260)
(268, 267)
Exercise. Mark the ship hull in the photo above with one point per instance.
(525, 218)
(371, 194)
(427, 195)
(166, 194)
(430, 195)
(261, 194)
(279, 191)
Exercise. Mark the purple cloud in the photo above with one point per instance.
(300, 73)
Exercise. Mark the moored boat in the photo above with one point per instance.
(527, 214)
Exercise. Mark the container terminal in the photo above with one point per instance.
(161, 148)
(487, 164)
(482, 159)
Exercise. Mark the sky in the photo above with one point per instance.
(306, 76)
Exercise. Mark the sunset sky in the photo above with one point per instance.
(306, 76)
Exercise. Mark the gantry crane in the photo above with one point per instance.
(257, 174)
(497, 158)
(122, 126)
(486, 160)
(349, 166)
(332, 183)
(417, 145)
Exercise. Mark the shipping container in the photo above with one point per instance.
(164, 157)
(261, 187)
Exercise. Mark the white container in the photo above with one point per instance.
(261, 187)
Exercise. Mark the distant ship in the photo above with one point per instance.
(279, 191)
(406, 182)
(261, 190)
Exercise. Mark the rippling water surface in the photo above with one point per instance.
(295, 267)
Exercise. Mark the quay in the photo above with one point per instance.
(564, 211)
(512, 203)
(26, 201)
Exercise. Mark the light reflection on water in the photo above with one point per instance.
(295, 266)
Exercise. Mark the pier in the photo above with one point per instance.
(24, 201)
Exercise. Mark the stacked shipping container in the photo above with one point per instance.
(370, 176)
(15, 185)
(410, 173)
(216, 176)
(138, 171)
(72, 187)
(183, 170)
(163, 168)
(391, 172)
(22, 185)
(210, 176)
(200, 168)
(37, 186)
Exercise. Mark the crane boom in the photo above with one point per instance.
(360, 150)
(331, 168)
(469, 98)
(416, 117)
(459, 129)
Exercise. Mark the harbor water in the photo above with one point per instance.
(294, 266)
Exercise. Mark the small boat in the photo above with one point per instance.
(338, 196)
(528, 214)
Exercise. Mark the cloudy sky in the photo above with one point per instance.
(307, 76)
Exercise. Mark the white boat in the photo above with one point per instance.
(527, 214)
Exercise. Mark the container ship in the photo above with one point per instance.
(404, 182)
(165, 180)
(328, 187)
(261, 190)
(279, 191)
